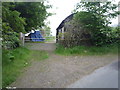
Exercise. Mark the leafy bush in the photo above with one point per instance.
(100, 34)
(10, 38)
(96, 18)
(12, 24)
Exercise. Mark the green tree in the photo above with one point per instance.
(34, 12)
(12, 18)
(96, 18)
(12, 24)
(21, 17)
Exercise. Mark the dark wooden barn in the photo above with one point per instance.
(69, 33)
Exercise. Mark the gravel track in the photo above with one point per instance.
(59, 71)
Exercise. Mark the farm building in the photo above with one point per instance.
(69, 33)
(61, 27)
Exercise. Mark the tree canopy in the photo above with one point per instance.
(34, 12)
(95, 17)
(21, 17)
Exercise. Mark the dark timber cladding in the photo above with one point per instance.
(67, 19)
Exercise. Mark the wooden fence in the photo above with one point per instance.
(26, 39)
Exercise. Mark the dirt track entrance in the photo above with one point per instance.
(59, 71)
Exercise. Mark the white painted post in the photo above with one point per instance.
(22, 38)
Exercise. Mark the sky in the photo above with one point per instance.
(62, 9)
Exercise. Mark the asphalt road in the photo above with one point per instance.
(104, 77)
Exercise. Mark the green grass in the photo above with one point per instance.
(52, 38)
(82, 50)
(13, 61)
(16, 60)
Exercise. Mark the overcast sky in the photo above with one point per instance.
(63, 8)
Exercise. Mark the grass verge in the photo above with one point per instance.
(82, 50)
(52, 38)
(14, 62)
